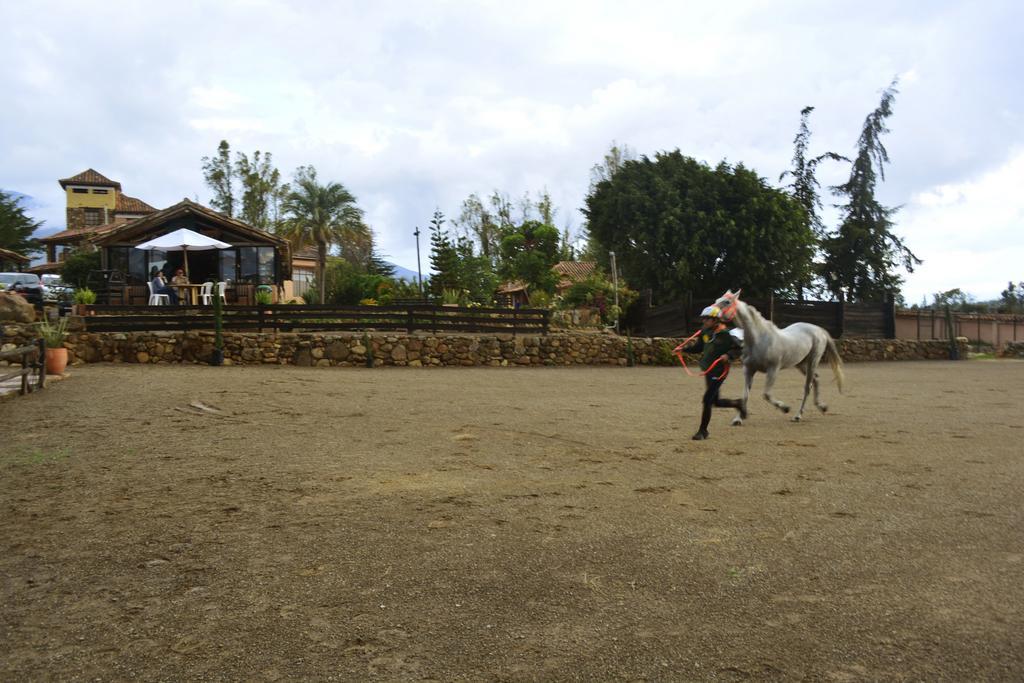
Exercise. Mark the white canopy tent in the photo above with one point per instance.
(183, 240)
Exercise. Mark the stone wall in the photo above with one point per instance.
(353, 349)
(1012, 350)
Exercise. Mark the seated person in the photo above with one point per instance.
(160, 287)
(179, 278)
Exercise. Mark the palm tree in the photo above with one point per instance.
(320, 214)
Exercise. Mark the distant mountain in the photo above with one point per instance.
(403, 273)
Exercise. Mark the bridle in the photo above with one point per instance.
(729, 312)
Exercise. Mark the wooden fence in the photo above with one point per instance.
(869, 320)
(294, 318)
(32, 358)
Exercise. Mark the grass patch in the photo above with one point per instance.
(38, 456)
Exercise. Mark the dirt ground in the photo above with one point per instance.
(186, 523)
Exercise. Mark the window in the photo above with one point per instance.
(228, 259)
(100, 191)
(266, 256)
(79, 190)
(137, 265)
(118, 259)
(93, 217)
(158, 261)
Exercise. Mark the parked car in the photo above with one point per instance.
(55, 291)
(25, 284)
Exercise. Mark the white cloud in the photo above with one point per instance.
(969, 233)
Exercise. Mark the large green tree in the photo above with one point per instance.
(529, 252)
(16, 227)
(320, 214)
(262, 191)
(863, 254)
(248, 188)
(677, 225)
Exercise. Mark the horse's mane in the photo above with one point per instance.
(760, 322)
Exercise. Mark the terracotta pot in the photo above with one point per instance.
(56, 361)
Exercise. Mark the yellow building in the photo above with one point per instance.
(95, 203)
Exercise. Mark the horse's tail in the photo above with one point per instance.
(834, 359)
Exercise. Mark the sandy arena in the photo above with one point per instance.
(259, 523)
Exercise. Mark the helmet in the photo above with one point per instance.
(711, 312)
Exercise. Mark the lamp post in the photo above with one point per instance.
(419, 272)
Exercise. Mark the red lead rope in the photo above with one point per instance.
(679, 354)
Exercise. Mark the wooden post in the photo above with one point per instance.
(919, 324)
(42, 363)
(408, 320)
(889, 312)
(24, 372)
(514, 321)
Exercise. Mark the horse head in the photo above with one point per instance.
(727, 303)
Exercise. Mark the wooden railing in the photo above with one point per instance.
(32, 357)
(294, 318)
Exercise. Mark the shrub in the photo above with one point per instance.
(85, 296)
(663, 354)
(540, 299)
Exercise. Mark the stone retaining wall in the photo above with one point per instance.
(352, 349)
(1012, 350)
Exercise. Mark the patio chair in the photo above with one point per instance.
(206, 294)
(221, 288)
(157, 299)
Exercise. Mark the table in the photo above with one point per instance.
(189, 293)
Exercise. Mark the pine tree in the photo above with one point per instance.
(444, 259)
(862, 255)
(804, 185)
(219, 174)
(16, 227)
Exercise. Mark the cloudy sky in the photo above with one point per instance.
(415, 105)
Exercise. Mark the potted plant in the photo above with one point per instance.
(56, 354)
(218, 332)
(84, 298)
(264, 298)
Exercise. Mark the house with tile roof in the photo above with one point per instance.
(571, 272)
(516, 292)
(95, 204)
(255, 257)
(100, 216)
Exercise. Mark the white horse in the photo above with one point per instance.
(768, 349)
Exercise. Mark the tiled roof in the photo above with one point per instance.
(156, 219)
(126, 204)
(308, 253)
(89, 177)
(574, 271)
(13, 256)
(81, 233)
(514, 286)
(45, 268)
